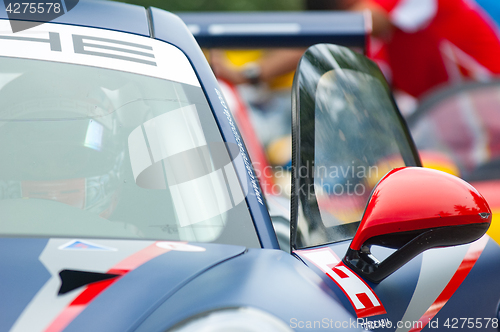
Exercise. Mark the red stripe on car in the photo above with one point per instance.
(93, 290)
(463, 270)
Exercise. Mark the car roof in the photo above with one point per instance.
(106, 15)
(128, 18)
(229, 29)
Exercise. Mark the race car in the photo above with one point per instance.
(128, 201)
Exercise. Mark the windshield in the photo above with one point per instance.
(93, 152)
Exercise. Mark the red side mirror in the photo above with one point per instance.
(413, 209)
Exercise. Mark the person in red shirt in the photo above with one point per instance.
(419, 44)
(427, 43)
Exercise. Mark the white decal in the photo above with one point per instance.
(84, 245)
(243, 155)
(362, 297)
(195, 199)
(179, 246)
(99, 48)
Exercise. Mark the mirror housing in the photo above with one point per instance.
(413, 209)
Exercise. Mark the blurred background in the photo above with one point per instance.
(221, 5)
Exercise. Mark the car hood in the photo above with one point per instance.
(52, 284)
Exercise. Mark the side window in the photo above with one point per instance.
(348, 135)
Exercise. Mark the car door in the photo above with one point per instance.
(401, 246)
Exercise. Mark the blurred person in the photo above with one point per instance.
(427, 43)
(272, 66)
(419, 44)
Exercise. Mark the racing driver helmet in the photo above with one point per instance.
(58, 147)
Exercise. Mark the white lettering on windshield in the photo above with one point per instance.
(244, 155)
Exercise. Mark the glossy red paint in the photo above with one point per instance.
(415, 198)
(489, 189)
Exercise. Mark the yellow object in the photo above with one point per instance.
(279, 152)
(439, 161)
(494, 230)
(241, 57)
(384, 166)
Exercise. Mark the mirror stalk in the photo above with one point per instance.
(367, 266)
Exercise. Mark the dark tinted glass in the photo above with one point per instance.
(351, 135)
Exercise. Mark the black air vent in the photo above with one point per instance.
(72, 279)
